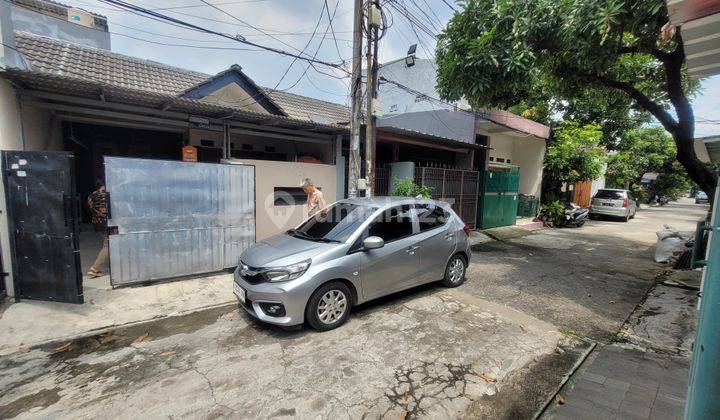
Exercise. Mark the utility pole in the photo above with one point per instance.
(356, 90)
(370, 68)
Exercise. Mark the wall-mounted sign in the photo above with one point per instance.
(189, 153)
(199, 122)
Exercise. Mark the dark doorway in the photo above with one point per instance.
(43, 213)
(90, 144)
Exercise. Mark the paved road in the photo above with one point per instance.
(430, 352)
(585, 280)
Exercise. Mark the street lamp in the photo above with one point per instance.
(410, 58)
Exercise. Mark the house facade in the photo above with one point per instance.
(505, 149)
(67, 99)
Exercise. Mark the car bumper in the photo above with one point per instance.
(610, 211)
(292, 298)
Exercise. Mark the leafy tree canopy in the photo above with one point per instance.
(574, 154)
(647, 150)
(640, 151)
(580, 53)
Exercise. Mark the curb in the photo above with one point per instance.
(100, 330)
(564, 381)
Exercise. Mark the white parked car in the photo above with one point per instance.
(614, 203)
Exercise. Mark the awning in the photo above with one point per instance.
(439, 125)
(699, 23)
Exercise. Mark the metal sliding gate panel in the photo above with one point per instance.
(177, 218)
(455, 186)
(500, 199)
(43, 213)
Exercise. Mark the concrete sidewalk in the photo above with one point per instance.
(30, 323)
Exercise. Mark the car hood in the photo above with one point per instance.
(282, 249)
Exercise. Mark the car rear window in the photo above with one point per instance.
(610, 194)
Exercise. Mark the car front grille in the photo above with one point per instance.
(256, 279)
(255, 276)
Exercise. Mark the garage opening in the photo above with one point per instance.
(91, 143)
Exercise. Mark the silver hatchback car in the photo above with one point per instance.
(354, 251)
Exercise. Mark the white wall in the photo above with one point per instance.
(529, 153)
(271, 219)
(502, 146)
(42, 131)
(421, 77)
(10, 139)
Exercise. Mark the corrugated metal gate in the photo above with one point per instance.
(455, 186)
(500, 199)
(177, 218)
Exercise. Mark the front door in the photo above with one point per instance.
(390, 268)
(42, 215)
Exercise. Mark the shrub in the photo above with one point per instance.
(552, 213)
(406, 187)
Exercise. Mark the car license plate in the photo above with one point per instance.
(239, 292)
(609, 204)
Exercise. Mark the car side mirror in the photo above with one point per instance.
(373, 242)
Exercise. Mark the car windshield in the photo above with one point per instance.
(609, 194)
(701, 195)
(334, 224)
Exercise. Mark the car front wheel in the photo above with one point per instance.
(455, 271)
(329, 306)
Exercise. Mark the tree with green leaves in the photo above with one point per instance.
(647, 150)
(573, 154)
(641, 150)
(495, 53)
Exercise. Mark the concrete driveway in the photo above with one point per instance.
(490, 348)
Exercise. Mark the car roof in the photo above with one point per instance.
(611, 189)
(387, 201)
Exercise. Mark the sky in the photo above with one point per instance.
(289, 25)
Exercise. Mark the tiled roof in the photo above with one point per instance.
(52, 7)
(302, 107)
(65, 60)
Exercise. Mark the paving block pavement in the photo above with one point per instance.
(625, 383)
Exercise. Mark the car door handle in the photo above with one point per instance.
(411, 250)
(449, 236)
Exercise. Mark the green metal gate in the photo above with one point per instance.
(500, 199)
(702, 400)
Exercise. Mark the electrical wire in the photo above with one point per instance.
(239, 39)
(450, 6)
(307, 44)
(201, 40)
(428, 19)
(192, 6)
(414, 20)
(274, 32)
(332, 30)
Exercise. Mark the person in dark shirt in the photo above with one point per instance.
(97, 202)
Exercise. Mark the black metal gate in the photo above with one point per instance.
(42, 216)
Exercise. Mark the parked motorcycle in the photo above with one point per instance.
(575, 216)
(663, 200)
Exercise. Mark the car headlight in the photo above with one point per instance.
(288, 272)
